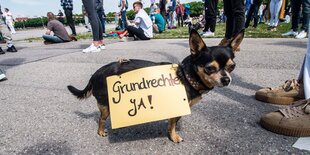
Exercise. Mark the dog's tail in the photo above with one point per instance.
(81, 94)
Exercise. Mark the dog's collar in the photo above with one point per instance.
(198, 85)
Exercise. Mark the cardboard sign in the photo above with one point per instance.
(146, 95)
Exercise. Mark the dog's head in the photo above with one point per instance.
(214, 64)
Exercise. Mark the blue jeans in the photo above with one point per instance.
(53, 39)
(304, 73)
(124, 20)
(275, 6)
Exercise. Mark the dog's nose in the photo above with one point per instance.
(225, 81)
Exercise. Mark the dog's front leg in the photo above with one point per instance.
(104, 114)
(172, 123)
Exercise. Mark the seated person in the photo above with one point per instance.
(158, 21)
(143, 25)
(60, 33)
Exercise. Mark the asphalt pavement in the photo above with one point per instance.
(38, 115)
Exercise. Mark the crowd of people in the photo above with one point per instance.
(170, 14)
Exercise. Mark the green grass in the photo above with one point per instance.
(259, 32)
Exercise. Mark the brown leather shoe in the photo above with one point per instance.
(286, 94)
(73, 38)
(292, 121)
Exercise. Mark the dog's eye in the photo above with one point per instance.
(230, 68)
(210, 69)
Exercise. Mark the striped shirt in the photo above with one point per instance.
(66, 4)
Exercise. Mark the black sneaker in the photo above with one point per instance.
(12, 49)
(270, 28)
(1, 51)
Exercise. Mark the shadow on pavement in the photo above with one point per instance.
(94, 115)
(139, 132)
(170, 57)
(300, 44)
(186, 44)
(47, 148)
(11, 62)
(131, 133)
(237, 80)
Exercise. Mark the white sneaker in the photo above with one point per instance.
(92, 48)
(208, 34)
(2, 75)
(102, 46)
(302, 34)
(290, 33)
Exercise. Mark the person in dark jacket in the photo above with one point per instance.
(67, 5)
(253, 13)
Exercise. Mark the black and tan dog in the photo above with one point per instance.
(200, 72)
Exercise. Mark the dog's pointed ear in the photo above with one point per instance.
(196, 43)
(236, 41)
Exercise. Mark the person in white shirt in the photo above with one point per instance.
(142, 29)
(9, 20)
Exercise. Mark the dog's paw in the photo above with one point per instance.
(176, 138)
(102, 133)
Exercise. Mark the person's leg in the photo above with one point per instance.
(174, 17)
(170, 18)
(213, 7)
(103, 24)
(238, 13)
(87, 24)
(178, 17)
(100, 16)
(52, 39)
(207, 15)
(278, 5)
(8, 37)
(93, 19)
(256, 16)
(182, 20)
(137, 32)
(163, 12)
(228, 10)
(70, 20)
(272, 16)
(97, 31)
(304, 74)
(249, 15)
(10, 24)
(155, 28)
(295, 5)
(293, 120)
(124, 20)
(305, 15)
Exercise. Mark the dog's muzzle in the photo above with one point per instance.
(225, 81)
